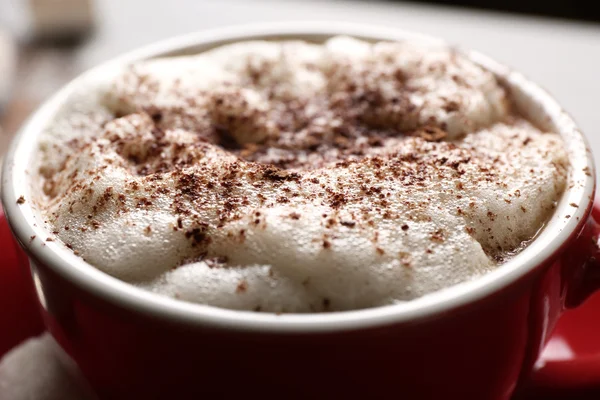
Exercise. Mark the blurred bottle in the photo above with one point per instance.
(47, 20)
(8, 63)
(36, 40)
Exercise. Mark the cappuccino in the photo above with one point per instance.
(298, 177)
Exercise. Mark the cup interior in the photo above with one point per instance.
(531, 100)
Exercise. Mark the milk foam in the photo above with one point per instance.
(297, 177)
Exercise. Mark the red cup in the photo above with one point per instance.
(476, 340)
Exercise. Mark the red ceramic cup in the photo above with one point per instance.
(477, 340)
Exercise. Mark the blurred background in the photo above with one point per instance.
(44, 43)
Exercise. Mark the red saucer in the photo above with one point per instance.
(570, 365)
(570, 361)
(18, 306)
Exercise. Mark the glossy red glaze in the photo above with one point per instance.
(124, 354)
(569, 367)
(478, 352)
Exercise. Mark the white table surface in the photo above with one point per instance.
(564, 57)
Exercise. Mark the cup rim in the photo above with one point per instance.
(62, 261)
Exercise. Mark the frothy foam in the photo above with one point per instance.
(297, 177)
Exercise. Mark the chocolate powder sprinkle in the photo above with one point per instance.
(368, 151)
(241, 287)
(432, 134)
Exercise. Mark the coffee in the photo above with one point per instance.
(298, 177)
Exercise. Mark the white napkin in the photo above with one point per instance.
(38, 369)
